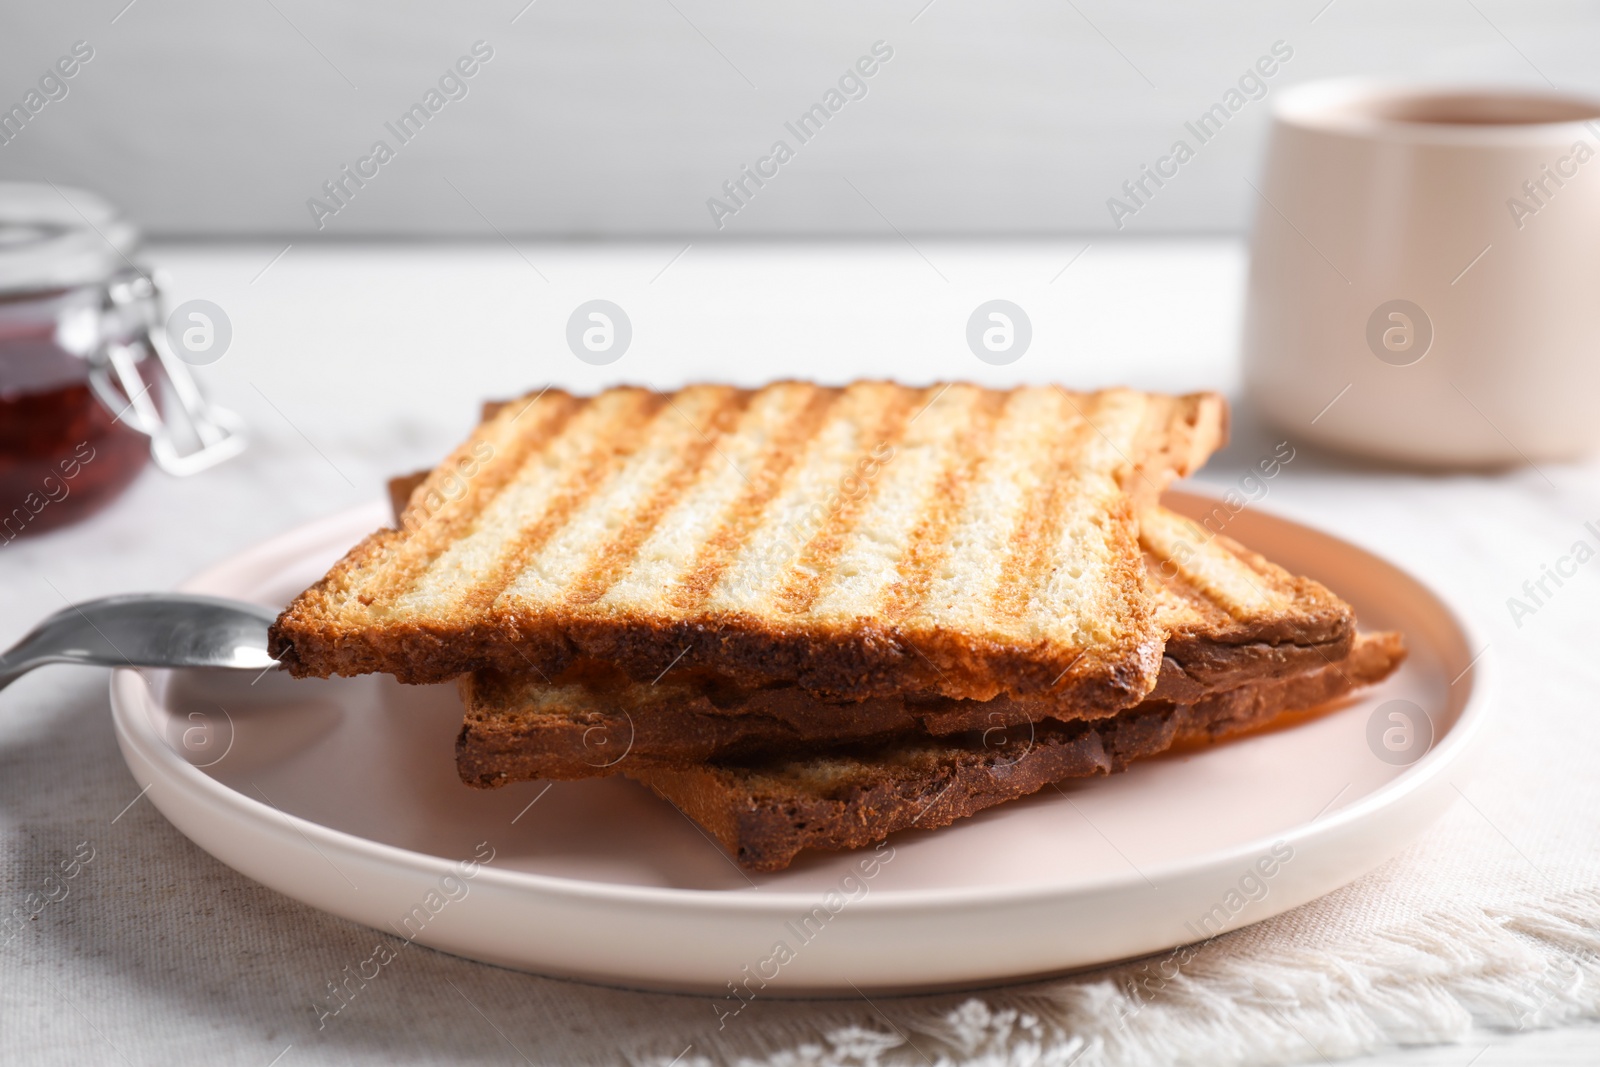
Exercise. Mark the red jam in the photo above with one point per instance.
(62, 454)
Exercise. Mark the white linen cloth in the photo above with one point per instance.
(355, 364)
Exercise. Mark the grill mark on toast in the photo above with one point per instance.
(1141, 450)
(814, 563)
(783, 454)
(617, 555)
(627, 428)
(1180, 599)
(1035, 535)
(1092, 510)
(442, 593)
(548, 576)
(668, 554)
(792, 516)
(868, 566)
(996, 499)
(1226, 580)
(431, 539)
(929, 544)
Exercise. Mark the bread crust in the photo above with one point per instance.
(517, 729)
(766, 813)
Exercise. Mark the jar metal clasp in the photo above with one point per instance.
(202, 434)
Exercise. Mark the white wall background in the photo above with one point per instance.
(619, 117)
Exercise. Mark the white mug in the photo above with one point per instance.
(1425, 273)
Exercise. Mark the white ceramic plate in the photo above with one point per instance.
(343, 794)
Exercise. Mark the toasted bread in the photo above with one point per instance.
(856, 542)
(1229, 617)
(764, 813)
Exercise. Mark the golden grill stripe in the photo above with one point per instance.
(703, 456)
(1083, 545)
(513, 435)
(1223, 578)
(769, 534)
(815, 569)
(928, 545)
(669, 452)
(765, 464)
(471, 573)
(911, 483)
(1020, 460)
(682, 558)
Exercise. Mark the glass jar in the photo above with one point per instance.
(87, 384)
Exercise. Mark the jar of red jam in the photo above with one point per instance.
(89, 392)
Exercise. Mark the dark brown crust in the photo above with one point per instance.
(687, 720)
(1194, 666)
(765, 814)
(764, 832)
(850, 662)
(1373, 658)
(502, 740)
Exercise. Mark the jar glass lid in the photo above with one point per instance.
(58, 237)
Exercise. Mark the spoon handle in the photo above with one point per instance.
(10, 671)
(27, 653)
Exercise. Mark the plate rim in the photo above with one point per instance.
(128, 688)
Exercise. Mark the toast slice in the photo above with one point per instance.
(764, 813)
(1229, 616)
(855, 542)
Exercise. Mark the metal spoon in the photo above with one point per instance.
(147, 630)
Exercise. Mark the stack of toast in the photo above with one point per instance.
(810, 617)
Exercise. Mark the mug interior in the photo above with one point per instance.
(1371, 107)
(1481, 109)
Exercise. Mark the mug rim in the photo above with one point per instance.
(1365, 107)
